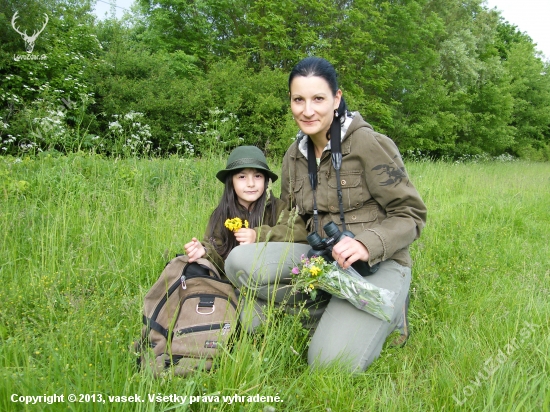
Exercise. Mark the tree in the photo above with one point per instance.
(43, 98)
(530, 88)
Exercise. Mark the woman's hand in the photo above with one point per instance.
(245, 236)
(195, 250)
(348, 251)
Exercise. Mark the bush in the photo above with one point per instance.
(196, 114)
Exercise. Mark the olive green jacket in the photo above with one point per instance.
(289, 228)
(381, 206)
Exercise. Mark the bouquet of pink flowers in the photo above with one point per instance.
(315, 273)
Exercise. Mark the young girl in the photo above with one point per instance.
(246, 177)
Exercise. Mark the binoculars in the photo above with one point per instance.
(323, 247)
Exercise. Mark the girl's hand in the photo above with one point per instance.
(245, 236)
(348, 251)
(195, 250)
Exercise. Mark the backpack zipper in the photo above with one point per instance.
(203, 328)
(183, 279)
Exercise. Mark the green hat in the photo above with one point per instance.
(246, 157)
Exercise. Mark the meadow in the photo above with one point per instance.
(84, 237)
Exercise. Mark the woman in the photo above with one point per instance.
(371, 195)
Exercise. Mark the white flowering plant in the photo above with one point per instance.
(130, 135)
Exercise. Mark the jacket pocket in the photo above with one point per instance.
(353, 193)
(298, 192)
(359, 220)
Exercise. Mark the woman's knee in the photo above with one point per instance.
(353, 338)
(261, 264)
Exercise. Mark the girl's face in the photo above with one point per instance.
(313, 104)
(249, 185)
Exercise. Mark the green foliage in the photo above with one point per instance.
(46, 102)
(218, 110)
(128, 136)
(531, 91)
(447, 77)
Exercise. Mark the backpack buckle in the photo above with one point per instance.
(205, 302)
(198, 310)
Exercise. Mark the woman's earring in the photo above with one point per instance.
(336, 112)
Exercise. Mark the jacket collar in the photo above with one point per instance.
(303, 138)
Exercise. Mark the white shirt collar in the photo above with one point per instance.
(302, 145)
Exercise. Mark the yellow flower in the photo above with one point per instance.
(235, 224)
(311, 287)
(314, 270)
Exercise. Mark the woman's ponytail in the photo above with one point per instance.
(339, 115)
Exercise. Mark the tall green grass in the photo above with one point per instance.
(83, 238)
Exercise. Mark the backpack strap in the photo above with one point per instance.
(151, 322)
(153, 325)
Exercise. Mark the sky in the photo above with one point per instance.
(104, 6)
(530, 16)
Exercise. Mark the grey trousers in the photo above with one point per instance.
(343, 333)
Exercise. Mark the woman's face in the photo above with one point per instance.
(313, 104)
(249, 186)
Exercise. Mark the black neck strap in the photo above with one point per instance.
(312, 172)
(336, 149)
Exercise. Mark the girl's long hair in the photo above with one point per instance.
(229, 208)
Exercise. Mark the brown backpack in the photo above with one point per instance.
(189, 315)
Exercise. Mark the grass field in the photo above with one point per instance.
(83, 238)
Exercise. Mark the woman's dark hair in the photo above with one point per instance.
(229, 208)
(315, 66)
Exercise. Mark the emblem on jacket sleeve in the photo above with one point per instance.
(394, 174)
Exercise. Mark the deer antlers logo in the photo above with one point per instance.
(29, 40)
